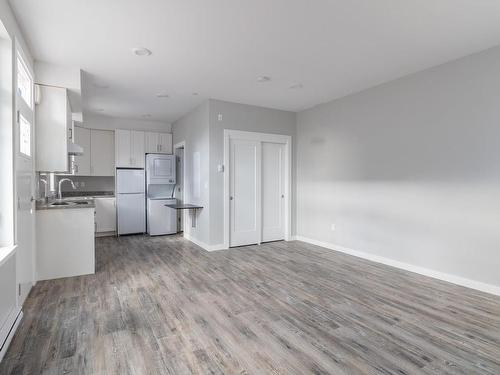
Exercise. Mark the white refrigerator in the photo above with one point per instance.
(130, 201)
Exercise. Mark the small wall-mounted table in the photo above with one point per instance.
(186, 206)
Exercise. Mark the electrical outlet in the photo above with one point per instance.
(333, 227)
(219, 117)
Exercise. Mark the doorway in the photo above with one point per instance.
(256, 187)
(180, 186)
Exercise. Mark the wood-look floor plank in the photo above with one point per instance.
(162, 305)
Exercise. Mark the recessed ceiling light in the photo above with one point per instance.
(296, 86)
(162, 95)
(141, 51)
(195, 93)
(147, 115)
(100, 86)
(263, 79)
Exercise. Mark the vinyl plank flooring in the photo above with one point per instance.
(162, 305)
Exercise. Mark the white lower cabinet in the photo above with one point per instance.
(105, 214)
(65, 242)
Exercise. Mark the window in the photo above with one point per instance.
(24, 82)
(24, 136)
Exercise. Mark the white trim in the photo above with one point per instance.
(203, 245)
(105, 234)
(13, 330)
(182, 144)
(6, 252)
(262, 137)
(473, 284)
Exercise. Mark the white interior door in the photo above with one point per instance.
(25, 177)
(244, 198)
(273, 191)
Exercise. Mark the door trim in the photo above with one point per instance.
(185, 226)
(261, 137)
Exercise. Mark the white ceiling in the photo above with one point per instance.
(218, 47)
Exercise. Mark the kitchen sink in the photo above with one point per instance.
(60, 204)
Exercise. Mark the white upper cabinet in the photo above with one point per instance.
(53, 124)
(102, 155)
(152, 142)
(158, 143)
(98, 157)
(82, 162)
(137, 146)
(165, 143)
(129, 148)
(122, 148)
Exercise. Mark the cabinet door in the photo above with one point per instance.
(137, 146)
(123, 152)
(82, 162)
(53, 118)
(102, 154)
(152, 143)
(165, 143)
(105, 214)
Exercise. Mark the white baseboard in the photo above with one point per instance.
(11, 335)
(473, 284)
(203, 245)
(105, 234)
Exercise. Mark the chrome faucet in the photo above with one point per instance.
(61, 181)
(46, 185)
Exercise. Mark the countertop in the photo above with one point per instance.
(178, 205)
(67, 204)
(93, 194)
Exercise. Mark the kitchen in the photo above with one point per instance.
(91, 182)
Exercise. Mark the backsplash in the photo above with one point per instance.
(87, 183)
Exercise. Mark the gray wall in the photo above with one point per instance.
(238, 117)
(204, 133)
(193, 129)
(409, 170)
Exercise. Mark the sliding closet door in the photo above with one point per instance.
(273, 191)
(244, 197)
